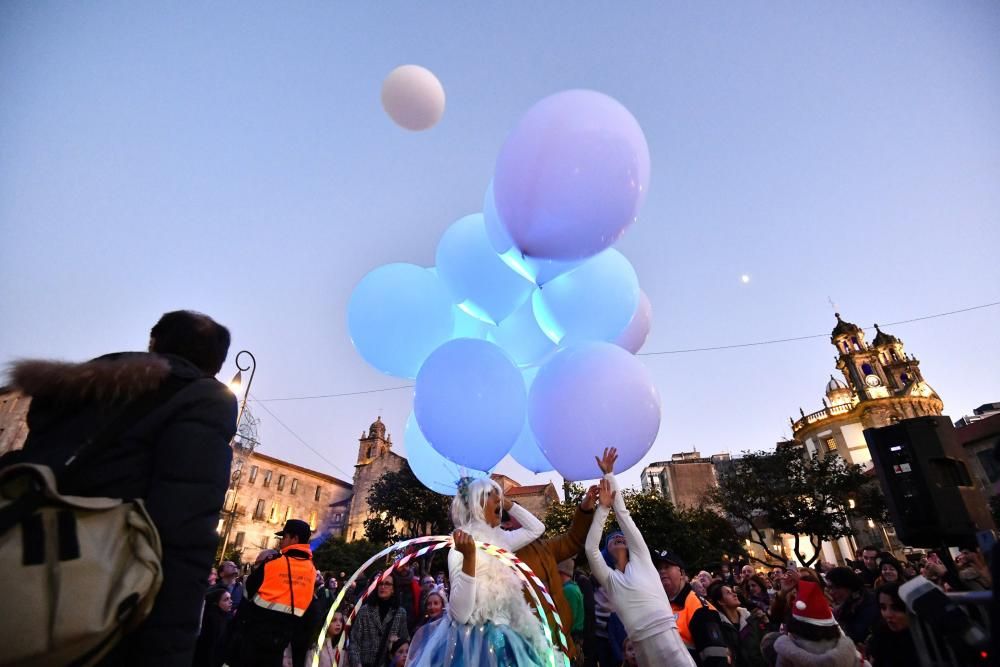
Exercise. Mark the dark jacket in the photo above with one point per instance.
(699, 625)
(743, 639)
(858, 615)
(210, 648)
(372, 631)
(176, 458)
(886, 648)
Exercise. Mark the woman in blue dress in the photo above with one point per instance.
(488, 621)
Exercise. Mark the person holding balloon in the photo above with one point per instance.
(488, 620)
(635, 591)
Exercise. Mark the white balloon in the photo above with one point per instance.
(413, 97)
(635, 334)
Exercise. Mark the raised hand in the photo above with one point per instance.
(606, 494)
(607, 462)
(464, 544)
(590, 499)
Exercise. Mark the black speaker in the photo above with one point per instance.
(931, 498)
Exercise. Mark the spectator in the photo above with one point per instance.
(869, 570)
(210, 648)
(379, 624)
(727, 577)
(698, 623)
(813, 637)
(408, 592)
(175, 457)
(755, 593)
(306, 634)
(435, 605)
(701, 582)
(398, 652)
(213, 577)
(229, 577)
(777, 577)
(973, 573)
(891, 644)
(589, 621)
(628, 653)
(329, 652)
(574, 596)
(892, 572)
(856, 608)
(741, 629)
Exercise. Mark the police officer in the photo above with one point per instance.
(697, 620)
(277, 597)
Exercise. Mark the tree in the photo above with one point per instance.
(401, 507)
(795, 494)
(338, 555)
(559, 515)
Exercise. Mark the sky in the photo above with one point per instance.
(234, 158)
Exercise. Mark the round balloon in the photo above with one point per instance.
(521, 337)
(589, 397)
(572, 175)
(470, 402)
(413, 97)
(479, 281)
(594, 301)
(397, 315)
(433, 470)
(535, 269)
(467, 326)
(635, 334)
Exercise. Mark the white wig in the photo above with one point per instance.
(467, 507)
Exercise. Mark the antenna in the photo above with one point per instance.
(832, 304)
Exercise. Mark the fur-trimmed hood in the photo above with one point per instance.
(799, 652)
(111, 378)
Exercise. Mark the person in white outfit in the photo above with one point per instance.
(635, 592)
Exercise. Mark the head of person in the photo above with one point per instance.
(566, 570)
(436, 603)
(192, 336)
(869, 558)
(384, 591)
(439, 578)
(615, 550)
(892, 572)
(722, 595)
(477, 500)
(398, 653)
(228, 571)
(671, 569)
(628, 652)
(332, 584)
(843, 582)
(747, 571)
(337, 624)
(909, 571)
(724, 569)
(213, 576)
(705, 578)
(777, 576)
(756, 586)
(427, 583)
(219, 597)
(892, 608)
(811, 617)
(295, 532)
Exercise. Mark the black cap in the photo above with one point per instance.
(296, 527)
(667, 556)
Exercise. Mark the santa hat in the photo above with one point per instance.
(811, 605)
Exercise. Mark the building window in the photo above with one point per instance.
(867, 369)
(238, 544)
(267, 478)
(281, 482)
(253, 474)
(846, 347)
(288, 514)
(258, 513)
(295, 486)
(854, 341)
(895, 357)
(263, 542)
(831, 445)
(312, 520)
(273, 516)
(319, 492)
(905, 378)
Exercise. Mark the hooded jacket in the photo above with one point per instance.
(798, 652)
(176, 458)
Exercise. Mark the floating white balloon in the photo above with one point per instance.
(413, 97)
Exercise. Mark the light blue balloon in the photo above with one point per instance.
(479, 281)
(467, 326)
(470, 402)
(433, 470)
(521, 337)
(397, 315)
(594, 301)
(526, 451)
(535, 269)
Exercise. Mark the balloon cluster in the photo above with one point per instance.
(522, 337)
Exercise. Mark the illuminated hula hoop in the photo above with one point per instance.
(434, 543)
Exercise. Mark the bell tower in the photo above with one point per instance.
(859, 362)
(374, 445)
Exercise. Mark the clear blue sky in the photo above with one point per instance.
(234, 158)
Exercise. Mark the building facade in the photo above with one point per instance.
(686, 478)
(13, 420)
(375, 458)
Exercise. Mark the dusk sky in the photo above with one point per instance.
(234, 158)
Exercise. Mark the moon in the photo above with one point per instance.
(745, 278)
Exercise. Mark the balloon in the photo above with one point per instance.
(538, 270)
(397, 315)
(572, 175)
(478, 280)
(589, 397)
(526, 452)
(594, 301)
(433, 470)
(521, 337)
(467, 326)
(634, 336)
(470, 402)
(413, 97)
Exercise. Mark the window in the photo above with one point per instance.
(263, 542)
(253, 474)
(288, 514)
(273, 516)
(831, 444)
(258, 513)
(281, 482)
(238, 544)
(854, 341)
(312, 520)
(319, 492)
(267, 478)
(846, 347)
(905, 378)
(867, 369)
(295, 486)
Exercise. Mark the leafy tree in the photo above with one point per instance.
(401, 507)
(560, 515)
(795, 494)
(338, 555)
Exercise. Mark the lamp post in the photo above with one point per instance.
(243, 443)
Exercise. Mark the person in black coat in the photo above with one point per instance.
(211, 646)
(176, 458)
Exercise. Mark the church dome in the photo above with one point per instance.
(844, 328)
(835, 385)
(882, 338)
(377, 429)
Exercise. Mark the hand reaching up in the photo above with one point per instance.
(607, 462)
(590, 499)
(464, 544)
(607, 495)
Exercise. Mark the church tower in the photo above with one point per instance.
(375, 458)
(375, 444)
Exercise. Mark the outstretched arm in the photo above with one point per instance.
(531, 528)
(598, 567)
(637, 548)
(462, 572)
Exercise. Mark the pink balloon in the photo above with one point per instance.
(635, 334)
(571, 176)
(413, 97)
(589, 397)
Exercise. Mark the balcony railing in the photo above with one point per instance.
(820, 415)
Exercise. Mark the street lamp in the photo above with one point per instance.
(247, 434)
(236, 384)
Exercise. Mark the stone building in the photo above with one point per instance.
(375, 458)
(536, 498)
(13, 416)
(686, 478)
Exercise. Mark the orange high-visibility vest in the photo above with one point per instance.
(288, 582)
(692, 603)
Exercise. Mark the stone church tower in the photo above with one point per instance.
(375, 458)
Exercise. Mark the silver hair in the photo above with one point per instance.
(467, 507)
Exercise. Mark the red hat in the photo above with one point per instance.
(811, 605)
